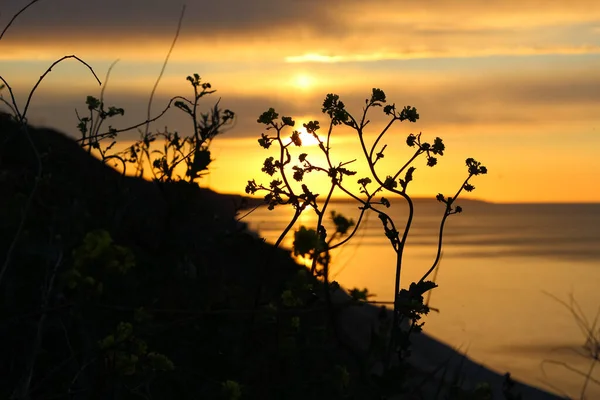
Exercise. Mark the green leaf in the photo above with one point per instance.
(231, 390)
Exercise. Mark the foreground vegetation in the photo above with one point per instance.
(126, 288)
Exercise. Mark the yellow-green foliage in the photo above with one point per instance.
(97, 255)
(289, 299)
(231, 390)
(128, 354)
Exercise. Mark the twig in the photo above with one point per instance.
(14, 107)
(158, 79)
(104, 134)
(48, 71)
(249, 212)
(15, 17)
(164, 66)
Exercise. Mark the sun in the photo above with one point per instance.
(307, 138)
(303, 82)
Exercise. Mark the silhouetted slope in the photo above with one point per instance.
(191, 256)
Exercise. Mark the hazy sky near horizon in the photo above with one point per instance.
(512, 84)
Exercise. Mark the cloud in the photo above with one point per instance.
(148, 18)
(410, 54)
(332, 18)
(532, 101)
(302, 30)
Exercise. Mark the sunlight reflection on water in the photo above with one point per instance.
(499, 263)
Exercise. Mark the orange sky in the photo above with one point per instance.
(512, 84)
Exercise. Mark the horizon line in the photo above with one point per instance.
(433, 199)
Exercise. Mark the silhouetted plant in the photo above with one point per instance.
(192, 149)
(590, 350)
(314, 242)
(89, 126)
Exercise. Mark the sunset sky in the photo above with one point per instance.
(514, 84)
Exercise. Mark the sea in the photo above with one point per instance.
(519, 284)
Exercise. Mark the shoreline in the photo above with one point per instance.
(358, 323)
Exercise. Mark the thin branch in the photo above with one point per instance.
(158, 79)
(570, 368)
(94, 129)
(447, 212)
(379, 138)
(588, 377)
(106, 80)
(417, 153)
(249, 212)
(164, 66)
(439, 247)
(15, 17)
(12, 99)
(48, 71)
(118, 157)
(351, 234)
(320, 228)
(10, 106)
(434, 279)
(104, 134)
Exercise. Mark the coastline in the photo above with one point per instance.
(358, 324)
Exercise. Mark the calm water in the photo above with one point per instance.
(501, 264)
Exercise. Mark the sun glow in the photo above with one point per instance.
(308, 139)
(303, 82)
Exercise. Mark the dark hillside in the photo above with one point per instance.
(176, 252)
